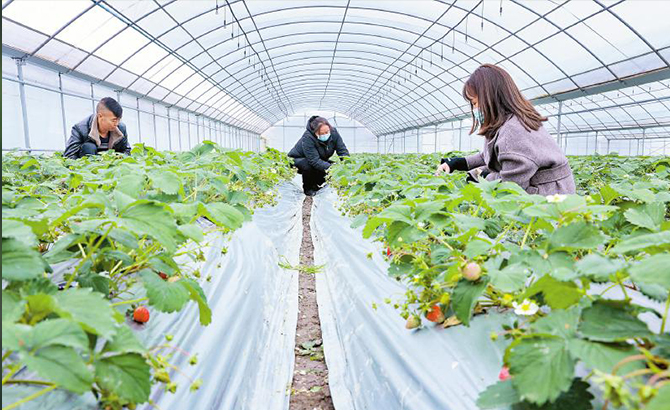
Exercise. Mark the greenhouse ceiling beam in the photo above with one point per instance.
(606, 129)
(615, 105)
(57, 68)
(637, 79)
(133, 24)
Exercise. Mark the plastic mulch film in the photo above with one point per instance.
(246, 355)
(373, 361)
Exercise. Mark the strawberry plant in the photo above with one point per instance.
(82, 240)
(574, 268)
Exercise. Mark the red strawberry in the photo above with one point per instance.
(388, 252)
(163, 275)
(435, 314)
(141, 314)
(504, 373)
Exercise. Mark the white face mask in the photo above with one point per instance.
(323, 137)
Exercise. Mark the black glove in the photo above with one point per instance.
(455, 164)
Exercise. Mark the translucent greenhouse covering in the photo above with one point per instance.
(228, 70)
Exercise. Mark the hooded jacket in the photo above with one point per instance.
(309, 152)
(532, 159)
(87, 131)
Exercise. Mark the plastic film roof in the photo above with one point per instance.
(391, 65)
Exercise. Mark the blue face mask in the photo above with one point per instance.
(479, 117)
(324, 137)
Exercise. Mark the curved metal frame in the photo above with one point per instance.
(376, 95)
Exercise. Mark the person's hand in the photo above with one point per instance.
(478, 172)
(442, 168)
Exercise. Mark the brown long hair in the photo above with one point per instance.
(499, 98)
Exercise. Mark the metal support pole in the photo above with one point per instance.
(460, 136)
(179, 130)
(596, 142)
(24, 106)
(558, 128)
(355, 139)
(188, 124)
(587, 144)
(608, 146)
(92, 98)
(283, 140)
(197, 129)
(62, 106)
(153, 110)
(169, 129)
(139, 120)
(644, 136)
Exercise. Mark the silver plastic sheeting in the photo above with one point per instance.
(246, 354)
(373, 361)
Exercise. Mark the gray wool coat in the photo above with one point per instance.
(532, 159)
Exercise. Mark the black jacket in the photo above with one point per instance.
(309, 152)
(80, 135)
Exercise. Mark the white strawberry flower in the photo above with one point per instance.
(400, 239)
(556, 198)
(274, 171)
(421, 224)
(526, 308)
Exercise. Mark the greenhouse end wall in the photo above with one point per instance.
(54, 102)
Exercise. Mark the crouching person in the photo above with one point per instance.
(311, 154)
(99, 132)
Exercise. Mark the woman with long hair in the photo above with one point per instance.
(517, 147)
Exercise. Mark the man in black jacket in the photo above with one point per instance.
(312, 152)
(99, 132)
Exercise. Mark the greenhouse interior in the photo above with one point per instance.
(352, 204)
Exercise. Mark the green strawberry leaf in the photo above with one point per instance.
(578, 235)
(557, 294)
(509, 279)
(127, 375)
(197, 295)
(61, 365)
(61, 332)
(611, 321)
(222, 215)
(501, 394)
(661, 400)
(642, 242)
(18, 230)
(464, 298)
(90, 309)
(577, 398)
(561, 323)
(541, 366)
(153, 219)
(602, 356)
(124, 341)
(13, 306)
(20, 262)
(166, 181)
(163, 295)
(654, 270)
(192, 231)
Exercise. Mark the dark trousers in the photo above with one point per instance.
(88, 148)
(312, 178)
